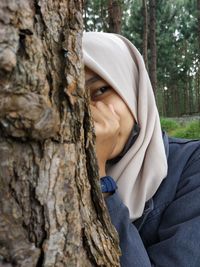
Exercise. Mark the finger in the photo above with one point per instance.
(102, 113)
(105, 110)
(96, 114)
(98, 128)
(107, 119)
(113, 111)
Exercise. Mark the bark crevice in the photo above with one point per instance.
(46, 207)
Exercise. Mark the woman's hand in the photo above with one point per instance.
(107, 125)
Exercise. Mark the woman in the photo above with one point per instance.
(151, 182)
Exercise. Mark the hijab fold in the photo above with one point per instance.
(141, 170)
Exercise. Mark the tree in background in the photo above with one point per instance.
(95, 15)
(198, 73)
(177, 43)
(103, 15)
(145, 33)
(177, 58)
(51, 208)
(177, 53)
(114, 16)
(198, 17)
(152, 45)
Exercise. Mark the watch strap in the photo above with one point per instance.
(108, 184)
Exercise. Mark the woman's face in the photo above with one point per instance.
(99, 90)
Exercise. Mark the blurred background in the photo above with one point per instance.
(167, 34)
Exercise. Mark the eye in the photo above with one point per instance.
(100, 91)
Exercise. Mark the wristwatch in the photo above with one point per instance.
(108, 184)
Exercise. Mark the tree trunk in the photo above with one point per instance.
(51, 208)
(145, 33)
(115, 16)
(152, 43)
(198, 72)
(85, 15)
(198, 90)
(175, 101)
(198, 17)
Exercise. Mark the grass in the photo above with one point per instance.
(188, 130)
(169, 125)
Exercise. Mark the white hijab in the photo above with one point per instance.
(141, 170)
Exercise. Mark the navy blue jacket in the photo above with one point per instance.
(168, 233)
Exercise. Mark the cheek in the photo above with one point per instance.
(124, 113)
(127, 120)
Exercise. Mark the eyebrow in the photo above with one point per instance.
(93, 79)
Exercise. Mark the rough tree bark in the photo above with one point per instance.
(51, 210)
(114, 16)
(152, 44)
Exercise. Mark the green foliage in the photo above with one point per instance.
(132, 23)
(169, 125)
(177, 47)
(178, 65)
(177, 53)
(188, 130)
(95, 14)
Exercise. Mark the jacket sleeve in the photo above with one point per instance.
(179, 230)
(132, 248)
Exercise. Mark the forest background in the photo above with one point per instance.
(167, 33)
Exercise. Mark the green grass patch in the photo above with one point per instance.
(169, 125)
(188, 130)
